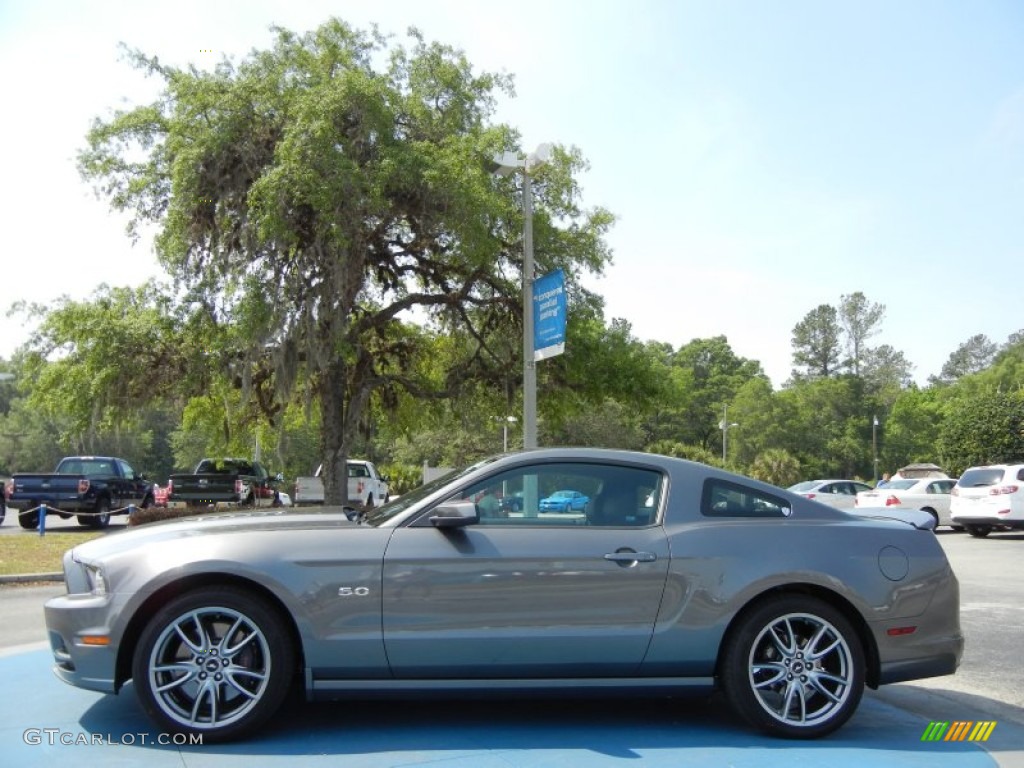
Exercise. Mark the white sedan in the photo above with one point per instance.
(928, 494)
(841, 494)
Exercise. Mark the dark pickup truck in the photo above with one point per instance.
(224, 481)
(93, 487)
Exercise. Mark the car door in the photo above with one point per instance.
(840, 495)
(530, 593)
(939, 498)
(130, 488)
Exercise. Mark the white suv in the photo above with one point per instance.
(989, 498)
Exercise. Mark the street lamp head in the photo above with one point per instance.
(506, 164)
(539, 156)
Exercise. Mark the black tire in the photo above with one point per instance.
(100, 517)
(30, 520)
(369, 501)
(147, 501)
(245, 681)
(249, 501)
(772, 678)
(979, 531)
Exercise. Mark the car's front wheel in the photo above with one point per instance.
(214, 661)
(793, 667)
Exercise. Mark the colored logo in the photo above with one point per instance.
(958, 730)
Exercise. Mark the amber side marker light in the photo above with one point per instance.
(95, 640)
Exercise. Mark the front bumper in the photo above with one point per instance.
(70, 618)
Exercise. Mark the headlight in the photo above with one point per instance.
(97, 581)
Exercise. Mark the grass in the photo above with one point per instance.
(28, 552)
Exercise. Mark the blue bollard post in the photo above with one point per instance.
(42, 519)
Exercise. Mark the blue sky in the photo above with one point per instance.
(762, 157)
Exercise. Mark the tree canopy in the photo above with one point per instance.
(318, 192)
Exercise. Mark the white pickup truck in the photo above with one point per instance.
(366, 486)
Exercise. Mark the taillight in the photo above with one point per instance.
(1003, 490)
(238, 487)
(809, 495)
(170, 488)
(892, 501)
(83, 485)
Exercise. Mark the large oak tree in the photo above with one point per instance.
(319, 194)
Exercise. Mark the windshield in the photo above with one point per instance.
(806, 485)
(979, 478)
(899, 485)
(382, 514)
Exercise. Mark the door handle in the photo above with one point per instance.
(629, 556)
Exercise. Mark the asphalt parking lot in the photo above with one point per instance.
(47, 721)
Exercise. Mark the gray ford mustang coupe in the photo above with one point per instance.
(676, 577)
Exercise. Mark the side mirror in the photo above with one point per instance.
(455, 514)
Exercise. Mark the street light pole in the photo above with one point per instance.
(724, 426)
(504, 430)
(529, 365)
(509, 162)
(874, 446)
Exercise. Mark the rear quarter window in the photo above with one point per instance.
(721, 498)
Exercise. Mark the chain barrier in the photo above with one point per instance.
(44, 509)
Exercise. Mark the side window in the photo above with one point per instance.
(721, 498)
(1020, 473)
(126, 471)
(567, 494)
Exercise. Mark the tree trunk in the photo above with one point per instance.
(333, 443)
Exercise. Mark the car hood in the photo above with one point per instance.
(276, 519)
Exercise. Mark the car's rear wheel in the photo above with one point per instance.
(933, 513)
(793, 667)
(100, 518)
(214, 661)
(979, 531)
(29, 520)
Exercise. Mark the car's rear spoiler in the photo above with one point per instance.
(917, 518)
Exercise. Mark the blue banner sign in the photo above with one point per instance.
(549, 315)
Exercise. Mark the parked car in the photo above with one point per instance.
(366, 486)
(926, 494)
(564, 501)
(655, 587)
(224, 481)
(989, 498)
(841, 494)
(91, 488)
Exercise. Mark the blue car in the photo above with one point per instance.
(564, 501)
